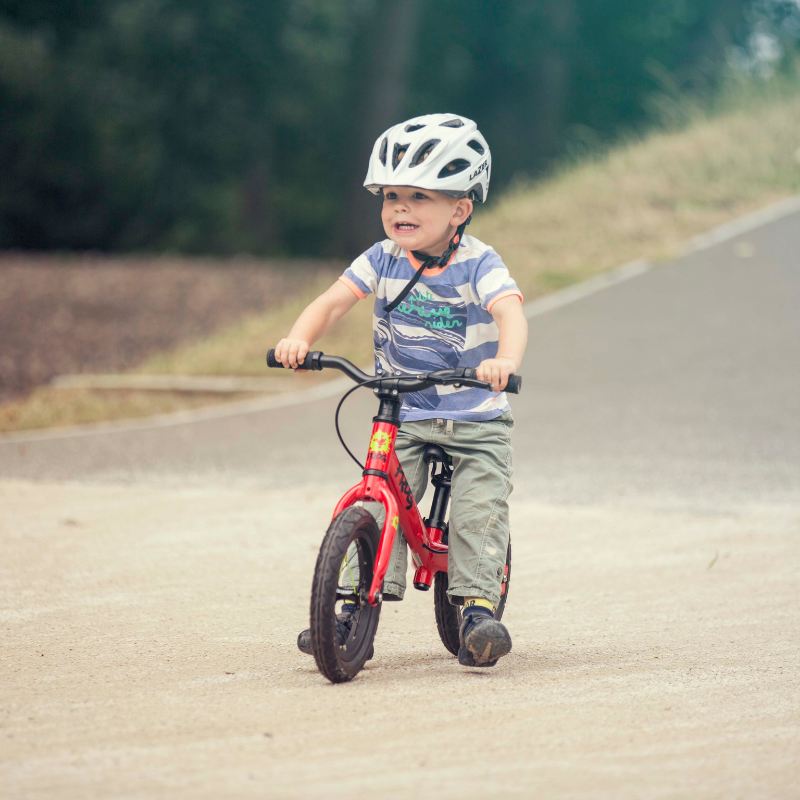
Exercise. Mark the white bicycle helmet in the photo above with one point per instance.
(440, 152)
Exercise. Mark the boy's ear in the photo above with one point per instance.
(462, 210)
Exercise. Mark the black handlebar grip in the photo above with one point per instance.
(512, 387)
(311, 361)
(272, 361)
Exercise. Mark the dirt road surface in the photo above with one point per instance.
(153, 583)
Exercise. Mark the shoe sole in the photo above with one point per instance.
(308, 651)
(484, 650)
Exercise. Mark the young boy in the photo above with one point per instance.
(442, 300)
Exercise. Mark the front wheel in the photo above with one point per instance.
(448, 616)
(341, 644)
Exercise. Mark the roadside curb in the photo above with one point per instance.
(535, 308)
(183, 417)
(215, 384)
(736, 227)
(605, 280)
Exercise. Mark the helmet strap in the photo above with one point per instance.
(429, 262)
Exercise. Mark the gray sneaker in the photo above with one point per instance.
(483, 640)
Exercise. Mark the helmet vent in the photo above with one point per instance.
(424, 151)
(397, 155)
(382, 151)
(476, 146)
(412, 128)
(453, 168)
(452, 123)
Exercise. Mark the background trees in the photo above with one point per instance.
(218, 127)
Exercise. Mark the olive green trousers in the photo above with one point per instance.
(478, 518)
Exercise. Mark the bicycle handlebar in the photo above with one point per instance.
(461, 376)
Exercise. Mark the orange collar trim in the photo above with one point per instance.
(431, 271)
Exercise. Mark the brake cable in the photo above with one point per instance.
(336, 416)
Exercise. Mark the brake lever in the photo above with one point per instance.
(468, 378)
(459, 381)
(474, 382)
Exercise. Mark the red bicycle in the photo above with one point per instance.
(354, 557)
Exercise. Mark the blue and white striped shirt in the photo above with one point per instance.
(445, 322)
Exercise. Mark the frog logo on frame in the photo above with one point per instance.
(379, 444)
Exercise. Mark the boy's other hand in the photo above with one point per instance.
(496, 372)
(291, 352)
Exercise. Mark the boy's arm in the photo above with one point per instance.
(317, 319)
(513, 338)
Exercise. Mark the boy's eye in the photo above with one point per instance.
(390, 195)
(420, 196)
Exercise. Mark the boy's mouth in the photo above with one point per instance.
(405, 227)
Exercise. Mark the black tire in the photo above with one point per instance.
(506, 584)
(342, 662)
(448, 616)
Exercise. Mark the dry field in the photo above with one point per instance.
(62, 315)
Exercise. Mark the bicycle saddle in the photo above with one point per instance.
(435, 453)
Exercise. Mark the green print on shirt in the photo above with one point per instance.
(443, 313)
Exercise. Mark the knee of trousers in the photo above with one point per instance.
(477, 558)
(398, 562)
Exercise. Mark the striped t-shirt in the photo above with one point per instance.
(445, 322)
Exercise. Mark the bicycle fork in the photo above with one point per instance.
(383, 481)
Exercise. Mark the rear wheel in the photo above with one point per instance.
(448, 616)
(344, 575)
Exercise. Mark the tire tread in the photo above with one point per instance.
(323, 591)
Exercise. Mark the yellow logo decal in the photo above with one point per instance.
(380, 443)
(395, 522)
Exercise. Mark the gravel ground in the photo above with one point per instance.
(63, 315)
(149, 651)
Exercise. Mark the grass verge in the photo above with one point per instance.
(47, 407)
(646, 198)
(241, 349)
(643, 199)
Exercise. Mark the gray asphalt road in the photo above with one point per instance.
(679, 387)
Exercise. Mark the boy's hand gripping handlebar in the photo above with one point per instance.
(461, 376)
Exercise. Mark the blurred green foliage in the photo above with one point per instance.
(222, 127)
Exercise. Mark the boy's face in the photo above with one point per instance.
(419, 219)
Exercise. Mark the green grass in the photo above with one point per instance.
(646, 198)
(642, 199)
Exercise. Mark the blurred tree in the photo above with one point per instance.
(384, 47)
(46, 139)
(770, 39)
(531, 74)
(147, 120)
(199, 126)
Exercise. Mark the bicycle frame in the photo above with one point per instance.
(383, 481)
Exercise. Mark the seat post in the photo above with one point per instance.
(441, 499)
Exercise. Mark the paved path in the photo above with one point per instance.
(680, 386)
(153, 582)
